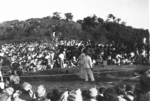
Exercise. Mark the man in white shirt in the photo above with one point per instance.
(62, 57)
(87, 66)
(80, 59)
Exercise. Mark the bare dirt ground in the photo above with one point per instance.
(68, 79)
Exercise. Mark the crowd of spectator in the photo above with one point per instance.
(34, 56)
(16, 91)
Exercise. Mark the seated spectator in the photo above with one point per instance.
(5, 94)
(49, 96)
(75, 95)
(110, 94)
(10, 92)
(64, 96)
(137, 92)
(55, 95)
(25, 94)
(129, 93)
(41, 94)
(7, 82)
(85, 94)
(93, 94)
(2, 85)
(120, 89)
(100, 94)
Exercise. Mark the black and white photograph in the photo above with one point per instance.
(74, 50)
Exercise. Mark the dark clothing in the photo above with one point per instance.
(100, 98)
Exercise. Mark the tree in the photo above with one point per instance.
(118, 20)
(123, 23)
(68, 16)
(111, 17)
(79, 21)
(100, 21)
(89, 23)
(56, 16)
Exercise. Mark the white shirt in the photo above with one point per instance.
(87, 62)
(61, 56)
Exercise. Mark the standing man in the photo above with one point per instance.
(62, 57)
(87, 66)
(80, 59)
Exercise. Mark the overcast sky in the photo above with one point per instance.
(134, 12)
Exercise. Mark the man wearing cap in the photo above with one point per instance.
(87, 66)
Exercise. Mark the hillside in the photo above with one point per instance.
(90, 28)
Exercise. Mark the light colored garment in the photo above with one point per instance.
(121, 98)
(87, 62)
(91, 100)
(64, 96)
(86, 72)
(80, 58)
(75, 96)
(2, 85)
(87, 65)
(62, 57)
(16, 80)
(4, 96)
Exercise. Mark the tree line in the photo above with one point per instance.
(89, 28)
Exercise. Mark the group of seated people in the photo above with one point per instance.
(34, 56)
(119, 92)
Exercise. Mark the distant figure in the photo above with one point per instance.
(62, 57)
(87, 67)
(80, 59)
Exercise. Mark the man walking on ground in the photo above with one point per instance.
(87, 67)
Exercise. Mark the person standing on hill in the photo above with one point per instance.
(87, 66)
